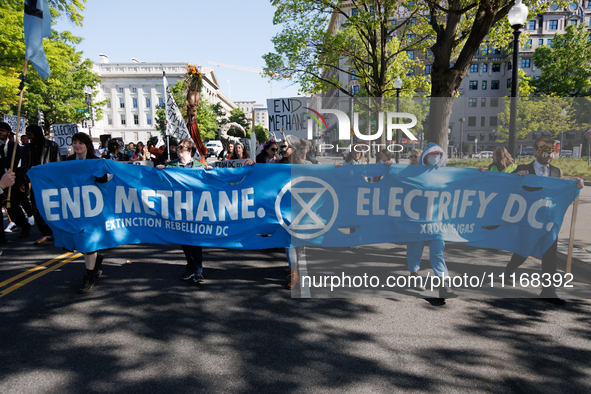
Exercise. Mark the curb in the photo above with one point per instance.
(578, 254)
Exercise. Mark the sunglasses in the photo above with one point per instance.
(301, 148)
(414, 156)
(181, 148)
(274, 149)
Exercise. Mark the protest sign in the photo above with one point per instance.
(12, 119)
(288, 114)
(230, 163)
(62, 135)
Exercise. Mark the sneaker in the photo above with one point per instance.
(446, 292)
(198, 278)
(415, 281)
(11, 226)
(187, 275)
(87, 282)
(31, 220)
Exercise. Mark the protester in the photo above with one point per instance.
(502, 161)
(432, 156)
(239, 151)
(6, 181)
(385, 157)
(194, 254)
(93, 261)
(310, 155)
(129, 149)
(24, 139)
(163, 157)
(116, 151)
(18, 198)
(141, 153)
(544, 149)
(415, 155)
(154, 151)
(226, 154)
(268, 152)
(38, 151)
(287, 155)
(355, 156)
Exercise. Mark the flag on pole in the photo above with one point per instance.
(37, 21)
(175, 124)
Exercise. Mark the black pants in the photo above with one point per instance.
(41, 225)
(548, 260)
(194, 255)
(15, 211)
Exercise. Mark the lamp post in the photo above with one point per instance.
(398, 86)
(88, 95)
(462, 120)
(517, 16)
(563, 114)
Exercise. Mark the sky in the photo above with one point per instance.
(229, 32)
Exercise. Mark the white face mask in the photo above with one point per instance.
(433, 160)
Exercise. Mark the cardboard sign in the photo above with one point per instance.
(288, 114)
(230, 163)
(62, 135)
(11, 120)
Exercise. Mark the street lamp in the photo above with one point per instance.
(88, 95)
(517, 16)
(462, 120)
(398, 86)
(563, 114)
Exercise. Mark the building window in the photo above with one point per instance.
(133, 89)
(572, 22)
(160, 101)
(532, 25)
(482, 121)
(528, 44)
(472, 121)
(494, 101)
(160, 89)
(540, 42)
(509, 65)
(430, 52)
(134, 102)
(484, 67)
(549, 42)
(148, 102)
(484, 83)
(483, 102)
(123, 120)
(108, 104)
(525, 63)
(491, 137)
(410, 72)
(493, 121)
(553, 25)
(109, 120)
(484, 50)
(410, 54)
(410, 36)
(474, 68)
(496, 67)
(472, 102)
(509, 83)
(494, 85)
(355, 89)
(148, 119)
(471, 137)
(121, 102)
(120, 90)
(496, 51)
(354, 11)
(428, 69)
(473, 85)
(146, 89)
(106, 89)
(136, 119)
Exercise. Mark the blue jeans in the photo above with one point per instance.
(292, 256)
(414, 253)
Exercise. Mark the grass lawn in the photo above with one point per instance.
(570, 168)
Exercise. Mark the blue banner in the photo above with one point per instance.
(37, 24)
(272, 205)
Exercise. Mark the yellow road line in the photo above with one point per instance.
(37, 268)
(32, 278)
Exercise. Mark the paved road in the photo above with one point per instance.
(143, 330)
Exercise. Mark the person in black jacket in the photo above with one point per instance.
(17, 197)
(83, 150)
(37, 152)
(544, 148)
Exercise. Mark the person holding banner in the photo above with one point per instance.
(268, 152)
(240, 153)
(194, 254)
(432, 156)
(83, 150)
(116, 147)
(38, 152)
(6, 181)
(544, 149)
(141, 153)
(18, 198)
(227, 153)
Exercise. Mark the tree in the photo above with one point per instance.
(261, 134)
(565, 65)
(452, 30)
(61, 93)
(237, 116)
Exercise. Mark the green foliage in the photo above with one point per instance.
(237, 116)
(61, 93)
(565, 65)
(261, 134)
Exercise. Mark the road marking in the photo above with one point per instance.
(303, 268)
(38, 275)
